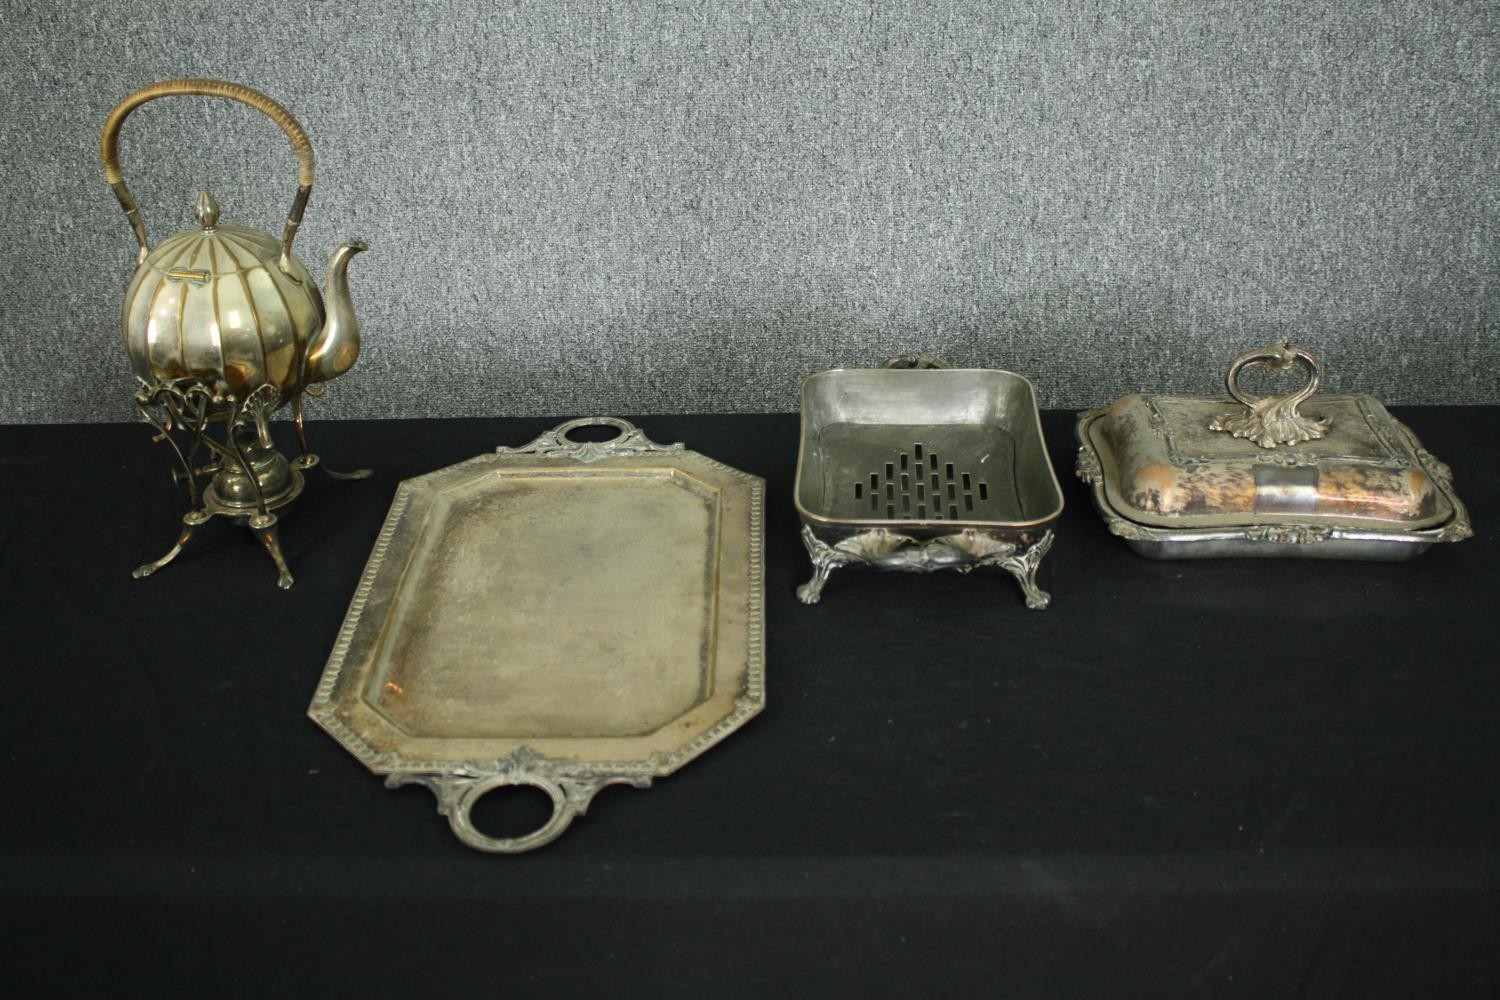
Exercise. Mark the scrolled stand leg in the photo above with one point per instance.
(1023, 566)
(825, 560)
(190, 523)
(264, 527)
(308, 460)
(338, 476)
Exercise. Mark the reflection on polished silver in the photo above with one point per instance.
(565, 615)
(1175, 477)
(1273, 420)
(916, 467)
(223, 325)
(965, 551)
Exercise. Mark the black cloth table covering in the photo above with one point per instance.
(1252, 777)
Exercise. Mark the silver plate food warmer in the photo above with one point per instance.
(918, 467)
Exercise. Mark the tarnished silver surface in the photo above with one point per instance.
(223, 324)
(566, 615)
(917, 467)
(1183, 478)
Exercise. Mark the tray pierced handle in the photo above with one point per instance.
(458, 790)
(628, 440)
(109, 148)
(456, 799)
(1273, 420)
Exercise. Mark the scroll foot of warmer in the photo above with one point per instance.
(825, 560)
(1024, 565)
(308, 460)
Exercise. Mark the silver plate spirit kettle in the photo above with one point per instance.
(223, 324)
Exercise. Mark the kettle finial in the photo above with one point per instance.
(207, 210)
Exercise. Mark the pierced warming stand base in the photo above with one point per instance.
(961, 552)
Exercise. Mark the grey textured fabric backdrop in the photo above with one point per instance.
(681, 207)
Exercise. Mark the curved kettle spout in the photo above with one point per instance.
(335, 348)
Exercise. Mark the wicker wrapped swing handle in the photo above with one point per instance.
(109, 150)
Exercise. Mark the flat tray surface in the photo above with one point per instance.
(540, 603)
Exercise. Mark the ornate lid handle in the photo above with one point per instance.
(1273, 420)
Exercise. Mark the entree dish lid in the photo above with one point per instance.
(1341, 461)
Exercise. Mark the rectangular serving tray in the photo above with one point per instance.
(566, 615)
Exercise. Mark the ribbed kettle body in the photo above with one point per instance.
(214, 304)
